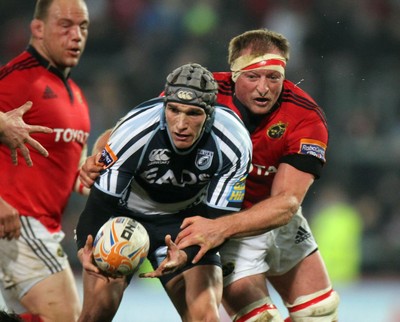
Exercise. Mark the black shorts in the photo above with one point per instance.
(157, 227)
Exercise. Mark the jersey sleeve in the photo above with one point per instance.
(309, 137)
(227, 189)
(121, 155)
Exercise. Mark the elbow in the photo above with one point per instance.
(292, 208)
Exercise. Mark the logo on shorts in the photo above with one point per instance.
(60, 252)
(301, 235)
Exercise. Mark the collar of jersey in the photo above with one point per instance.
(45, 63)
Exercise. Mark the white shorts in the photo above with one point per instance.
(36, 255)
(273, 253)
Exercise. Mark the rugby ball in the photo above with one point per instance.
(120, 246)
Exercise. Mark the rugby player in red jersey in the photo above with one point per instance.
(290, 136)
(34, 270)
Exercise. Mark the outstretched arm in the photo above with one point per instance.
(15, 133)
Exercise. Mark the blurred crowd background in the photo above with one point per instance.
(346, 54)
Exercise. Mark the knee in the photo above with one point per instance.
(98, 311)
(319, 307)
(260, 311)
(206, 314)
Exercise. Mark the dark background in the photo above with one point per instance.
(344, 53)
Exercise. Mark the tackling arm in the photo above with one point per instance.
(288, 191)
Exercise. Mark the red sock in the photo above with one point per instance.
(288, 320)
(28, 317)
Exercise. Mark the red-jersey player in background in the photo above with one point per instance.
(290, 137)
(34, 271)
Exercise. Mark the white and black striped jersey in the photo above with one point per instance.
(150, 176)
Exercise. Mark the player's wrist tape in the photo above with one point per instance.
(191, 252)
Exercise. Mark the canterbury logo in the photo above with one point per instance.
(159, 155)
(185, 95)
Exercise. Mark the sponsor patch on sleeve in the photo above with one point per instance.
(108, 157)
(313, 147)
(237, 191)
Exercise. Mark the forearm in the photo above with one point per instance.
(99, 208)
(263, 216)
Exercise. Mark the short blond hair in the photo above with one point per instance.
(260, 41)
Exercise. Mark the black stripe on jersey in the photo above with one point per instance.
(39, 248)
(289, 96)
(225, 88)
(28, 63)
(300, 100)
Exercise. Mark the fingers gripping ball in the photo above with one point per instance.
(120, 247)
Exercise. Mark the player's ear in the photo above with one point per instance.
(37, 28)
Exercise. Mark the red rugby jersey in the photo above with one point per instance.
(296, 126)
(42, 191)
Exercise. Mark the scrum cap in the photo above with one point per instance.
(194, 85)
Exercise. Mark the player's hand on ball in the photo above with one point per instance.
(175, 259)
(85, 255)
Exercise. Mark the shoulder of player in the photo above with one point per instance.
(223, 78)
(229, 128)
(300, 103)
(225, 84)
(150, 109)
(139, 119)
(19, 67)
(224, 115)
(292, 93)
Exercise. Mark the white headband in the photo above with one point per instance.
(249, 62)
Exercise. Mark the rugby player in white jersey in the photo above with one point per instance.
(169, 158)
